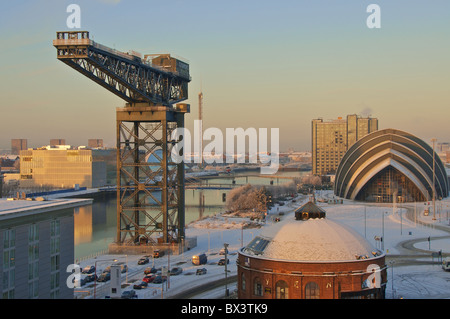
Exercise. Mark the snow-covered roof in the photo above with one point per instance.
(318, 240)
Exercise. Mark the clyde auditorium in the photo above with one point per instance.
(390, 166)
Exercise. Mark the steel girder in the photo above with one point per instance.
(150, 195)
(128, 77)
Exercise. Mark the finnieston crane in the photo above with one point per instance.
(150, 186)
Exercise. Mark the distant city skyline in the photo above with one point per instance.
(261, 64)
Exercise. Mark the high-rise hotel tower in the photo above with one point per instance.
(331, 139)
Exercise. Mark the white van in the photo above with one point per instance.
(446, 264)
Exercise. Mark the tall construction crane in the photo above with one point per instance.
(150, 186)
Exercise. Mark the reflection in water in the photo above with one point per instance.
(96, 224)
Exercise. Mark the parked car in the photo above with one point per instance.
(81, 282)
(222, 251)
(159, 280)
(149, 278)
(107, 269)
(201, 271)
(104, 277)
(199, 259)
(123, 268)
(88, 270)
(222, 262)
(143, 261)
(129, 294)
(175, 271)
(150, 270)
(91, 277)
(158, 253)
(142, 285)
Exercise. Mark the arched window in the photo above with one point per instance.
(311, 290)
(257, 287)
(282, 289)
(243, 282)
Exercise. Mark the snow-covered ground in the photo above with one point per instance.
(416, 278)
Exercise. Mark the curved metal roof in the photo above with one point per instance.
(403, 151)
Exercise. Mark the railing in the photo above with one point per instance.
(82, 38)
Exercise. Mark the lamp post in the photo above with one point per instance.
(95, 276)
(226, 270)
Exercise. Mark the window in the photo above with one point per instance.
(54, 258)
(311, 290)
(9, 262)
(33, 261)
(257, 287)
(282, 290)
(243, 282)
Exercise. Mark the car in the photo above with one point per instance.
(81, 282)
(150, 270)
(142, 285)
(222, 262)
(104, 277)
(159, 280)
(175, 271)
(129, 294)
(107, 269)
(88, 270)
(201, 271)
(123, 268)
(143, 261)
(158, 253)
(149, 278)
(222, 251)
(91, 277)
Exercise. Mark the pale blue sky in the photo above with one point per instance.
(259, 64)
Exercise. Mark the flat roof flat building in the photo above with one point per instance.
(95, 143)
(61, 167)
(36, 246)
(57, 141)
(331, 139)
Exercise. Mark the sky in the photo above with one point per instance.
(260, 64)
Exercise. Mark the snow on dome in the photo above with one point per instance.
(317, 239)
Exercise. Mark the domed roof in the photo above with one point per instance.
(318, 239)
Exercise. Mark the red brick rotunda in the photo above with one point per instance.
(310, 257)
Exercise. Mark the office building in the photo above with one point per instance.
(57, 141)
(331, 139)
(61, 167)
(18, 145)
(95, 143)
(36, 246)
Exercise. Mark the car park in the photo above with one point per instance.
(201, 271)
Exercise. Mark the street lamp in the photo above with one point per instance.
(225, 245)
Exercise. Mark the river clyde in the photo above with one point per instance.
(96, 224)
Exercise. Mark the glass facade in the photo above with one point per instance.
(57, 168)
(390, 185)
(331, 139)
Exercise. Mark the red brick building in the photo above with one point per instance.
(310, 258)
